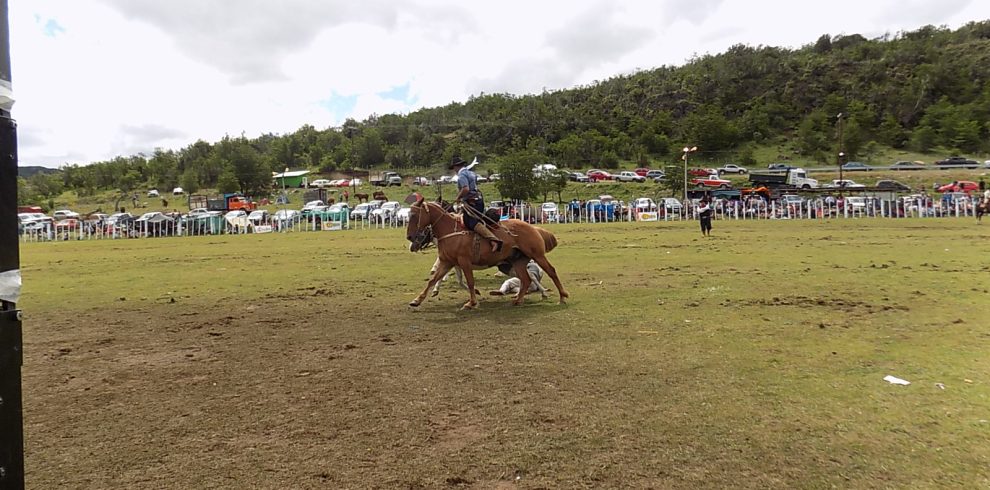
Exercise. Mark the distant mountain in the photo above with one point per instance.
(29, 171)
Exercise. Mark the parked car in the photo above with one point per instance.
(671, 205)
(320, 183)
(595, 175)
(578, 177)
(906, 165)
(791, 200)
(118, 220)
(447, 179)
(178, 191)
(422, 181)
(153, 193)
(340, 211)
(154, 224)
(856, 167)
(627, 176)
(311, 205)
(284, 218)
(892, 185)
(550, 212)
(259, 217)
(957, 162)
(642, 171)
(783, 167)
(363, 210)
(702, 172)
(655, 174)
(960, 186)
(402, 215)
(731, 168)
(644, 204)
(385, 212)
(494, 177)
(844, 184)
(856, 203)
(151, 217)
(25, 218)
(62, 214)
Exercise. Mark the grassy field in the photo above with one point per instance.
(752, 359)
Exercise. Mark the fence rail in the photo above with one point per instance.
(819, 209)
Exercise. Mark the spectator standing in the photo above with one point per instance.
(705, 217)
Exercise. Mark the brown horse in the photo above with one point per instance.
(456, 247)
(983, 207)
(380, 196)
(361, 197)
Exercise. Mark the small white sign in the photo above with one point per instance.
(650, 216)
(263, 229)
(332, 226)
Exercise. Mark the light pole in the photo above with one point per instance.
(685, 158)
(842, 155)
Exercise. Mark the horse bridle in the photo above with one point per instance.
(424, 235)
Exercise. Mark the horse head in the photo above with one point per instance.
(419, 221)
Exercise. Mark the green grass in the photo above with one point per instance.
(752, 359)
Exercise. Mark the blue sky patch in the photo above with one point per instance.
(399, 93)
(340, 106)
(51, 28)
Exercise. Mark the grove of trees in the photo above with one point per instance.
(918, 90)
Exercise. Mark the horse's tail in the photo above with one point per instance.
(549, 240)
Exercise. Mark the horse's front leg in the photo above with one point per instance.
(441, 271)
(465, 266)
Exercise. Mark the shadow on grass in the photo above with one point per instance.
(449, 312)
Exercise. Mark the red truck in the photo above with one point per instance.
(712, 181)
(225, 202)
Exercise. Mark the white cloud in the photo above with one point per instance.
(97, 78)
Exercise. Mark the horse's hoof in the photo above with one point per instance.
(414, 303)
(517, 302)
(468, 306)
(435, 293)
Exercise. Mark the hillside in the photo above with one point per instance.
(30, 171)
(921, 91)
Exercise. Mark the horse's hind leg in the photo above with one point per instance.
(519, 267)
(542, 261)
(441, 271)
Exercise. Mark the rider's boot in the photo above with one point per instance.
(483, 230)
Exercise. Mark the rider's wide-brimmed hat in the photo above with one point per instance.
(456, 162)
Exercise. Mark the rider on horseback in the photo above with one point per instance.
(468, 193)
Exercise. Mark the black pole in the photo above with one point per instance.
(11, 410)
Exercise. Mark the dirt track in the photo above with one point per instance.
(277, 396)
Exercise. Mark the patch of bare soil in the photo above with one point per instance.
(278, 393)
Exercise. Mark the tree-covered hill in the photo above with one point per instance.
(916, 90)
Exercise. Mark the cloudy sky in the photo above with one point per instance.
(98, 78)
